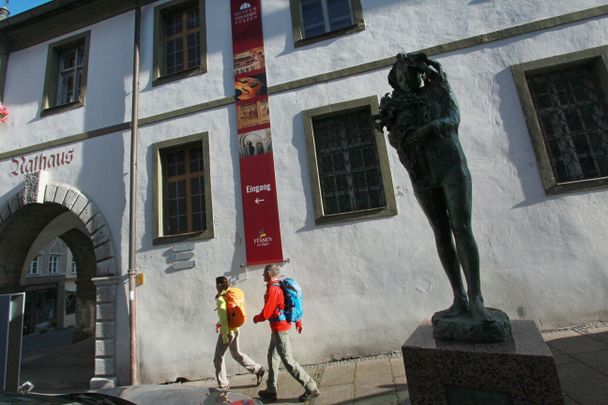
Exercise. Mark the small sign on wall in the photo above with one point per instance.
(179, 256)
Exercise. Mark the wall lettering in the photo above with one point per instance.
(42, 161)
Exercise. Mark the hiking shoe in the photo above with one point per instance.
(267, 395)
(308, 394)
(260, 376)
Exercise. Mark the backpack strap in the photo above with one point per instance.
(281, 315)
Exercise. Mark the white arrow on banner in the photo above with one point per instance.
(259, 200)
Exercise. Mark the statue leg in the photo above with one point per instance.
(433, 204)
(458, 198)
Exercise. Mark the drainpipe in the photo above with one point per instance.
(4, 14)
(132, 198)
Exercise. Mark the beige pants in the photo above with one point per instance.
(241, 358)
(280, 350)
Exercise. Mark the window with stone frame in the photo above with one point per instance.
(34, 265)
(66, 73)
(565, 102)
(183, 189)
(53, 263)
(315, 20)
(180, 43)
(348, 162)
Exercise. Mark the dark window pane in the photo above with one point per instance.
(176, 163)
(173, 24)
(193, 50)
(330, 205)
(339, 14)
(312, 18)
(182, 224)
(175, 56)
(196, 160)
(198, 223)
(68, 59)
(192, 20)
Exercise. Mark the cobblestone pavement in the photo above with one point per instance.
(580, 352)
(54, 364)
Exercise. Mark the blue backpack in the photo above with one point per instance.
(293, 299)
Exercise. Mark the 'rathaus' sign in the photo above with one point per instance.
(42, 161)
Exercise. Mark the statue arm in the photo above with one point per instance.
(447, 122)
(450, 114)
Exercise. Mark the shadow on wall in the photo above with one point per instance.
(521, 153)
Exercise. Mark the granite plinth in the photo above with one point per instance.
(520, 370)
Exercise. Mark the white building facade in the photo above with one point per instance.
(531, 80)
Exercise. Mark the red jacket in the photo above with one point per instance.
(274, 303)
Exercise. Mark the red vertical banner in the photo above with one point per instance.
(258, 187)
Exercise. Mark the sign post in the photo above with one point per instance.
(12, 308)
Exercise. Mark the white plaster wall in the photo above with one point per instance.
(368, 283)
(217, 83)
(107, 100)
(393, 26)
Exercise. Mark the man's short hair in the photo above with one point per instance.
(222, 279)
(273, 269)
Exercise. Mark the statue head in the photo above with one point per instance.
(410, 71)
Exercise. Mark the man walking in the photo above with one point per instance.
(229, 339)
(279, 348)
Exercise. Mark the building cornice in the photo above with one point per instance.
(59, 17)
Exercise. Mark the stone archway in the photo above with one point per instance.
(25, 215)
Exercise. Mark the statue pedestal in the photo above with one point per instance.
(518, 371)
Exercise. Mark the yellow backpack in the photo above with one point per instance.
(235, 303)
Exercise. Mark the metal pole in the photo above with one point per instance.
(133, 198)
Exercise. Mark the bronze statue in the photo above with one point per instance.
(422, 117)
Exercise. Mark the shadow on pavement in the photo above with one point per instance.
(54, 364)
(581, 359)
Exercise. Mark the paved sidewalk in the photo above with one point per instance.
(581, 357)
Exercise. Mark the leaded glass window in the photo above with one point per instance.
(323, 16)
(573, 116)
(66, 74)
(70, 74)
(184, 191)
(182, 34)
(53, 265)
(348, 164)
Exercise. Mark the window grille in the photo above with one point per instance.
(573, 115)
(348, 164)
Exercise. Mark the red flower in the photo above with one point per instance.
(3, 113)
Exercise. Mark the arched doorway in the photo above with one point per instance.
(34, 216)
